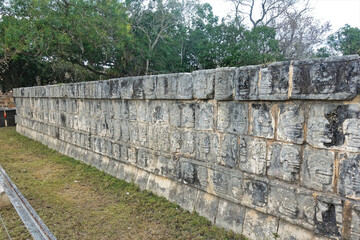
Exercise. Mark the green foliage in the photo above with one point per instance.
(346, 40)
(53, 41)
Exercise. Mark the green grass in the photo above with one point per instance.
(77, 201)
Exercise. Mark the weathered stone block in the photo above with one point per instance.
(166, 87)
(355, 223)
(204, 116)
(317, 169)
(252, 155)
(138, 88)
(126, 88)
(229, 150)
(166, 166)
(224, 83)
(349, 175)
(230, 216)
(188, 143)
(114, 88)
(330, 78)
(246, 82)
(207, 147)
(145, 160)
(191, 173)
(284, 161)
(289, 231)
(282, 201)
(259, 226)
(203, 81)
(159, 185)
(175, 114)
(262, 120)
(291, 123)
(256, 193)
(142, 178)
(334, 126)
(328, 216)
(183, 195)
(159, 112)
(274, 81)
(149, 85)
(232, 117)
(207, 205)
(184, 86)
(219, 182)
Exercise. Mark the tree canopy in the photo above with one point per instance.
(54, 41)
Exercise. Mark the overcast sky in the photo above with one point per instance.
(337, 12)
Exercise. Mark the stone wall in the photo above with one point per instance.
(267, 151)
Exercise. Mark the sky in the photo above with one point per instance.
(337, 12)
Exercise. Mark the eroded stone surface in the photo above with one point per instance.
(318, 169)
(262, 120)
(232, 117)
(230, 216)
(325, 78)
(259, 226)
(291, 123)
(252, 155)
(328, 216)
(224, 78)
(349, 176)
(204, 81)
(355, 222)
(284, 161)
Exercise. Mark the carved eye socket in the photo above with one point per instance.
(322, 163)
(321, 125)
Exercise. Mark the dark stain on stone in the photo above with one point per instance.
(63, 119)
(138, 90)
(328, 225)
(259, 192)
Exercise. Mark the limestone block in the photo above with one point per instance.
(246, 82)
(141, 179)
(204, 116)
(334, 126)
(159, 185)
(183, 195)
(330, 78)
(175, 114)
(182, 115)
(355, 222)
(219, 182)
(349, 175)
(149, 85)
(291, 123)
(317, 169)
(116, 151)
(230, 216)
(232, 117)
(252, 155)
(159, 137)
(284, 161)
(143, 111)
(143, 134)
(114, 89)
(166, 165)
(175, 141)
(125, 131)
(126, 88)
(328, 216)
(262, 120)
(224, 83)
(229, 150)
(207, 147)
(138, 88)
(166, 86)
(256, 193)
(134, 132)
(289, 231)
(203, 81)
(282, 201)
(184, 86)
(207, 205)
(105, 89)
(112, 168)
(145, 160)
(259, 226)
(187, 143)
(159, 112)
(192, 173)
(274, 81)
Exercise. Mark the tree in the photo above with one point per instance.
(346, 40)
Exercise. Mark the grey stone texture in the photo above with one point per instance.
(240, 146)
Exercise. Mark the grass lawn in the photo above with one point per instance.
(77, 201)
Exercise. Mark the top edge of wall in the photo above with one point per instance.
(333, 78)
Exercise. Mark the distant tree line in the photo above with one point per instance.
(56, 41)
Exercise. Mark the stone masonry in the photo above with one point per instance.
(267, 151)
